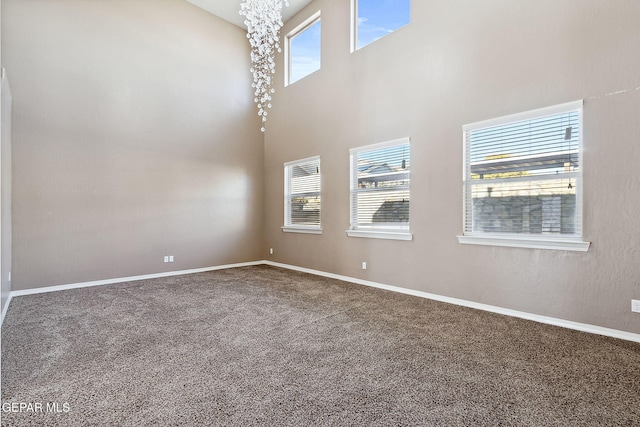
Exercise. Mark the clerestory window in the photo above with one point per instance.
(374, 19)
(303, 50)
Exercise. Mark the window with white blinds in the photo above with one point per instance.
(523, 174)
(302, 181)
(380, 196)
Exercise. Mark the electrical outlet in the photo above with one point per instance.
(364, 265)
(170, 258)
(270, 251)
(166, 258)
(635, 305)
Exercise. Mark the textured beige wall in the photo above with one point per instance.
(134, 137)
(5, 183)
(5, 192)
(459, 62)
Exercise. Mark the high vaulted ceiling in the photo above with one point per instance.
(229, 9)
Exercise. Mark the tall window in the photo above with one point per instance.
(380, 178)
(302, 49)
(374, 19)
(523, 176)
(302, 196)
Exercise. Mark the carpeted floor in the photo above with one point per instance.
(266, 346)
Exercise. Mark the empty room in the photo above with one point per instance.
(320, 212)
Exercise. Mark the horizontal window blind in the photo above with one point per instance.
(380, 177)
(302, 193)
(524, 177)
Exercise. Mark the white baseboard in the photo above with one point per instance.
(126, 279)
(584, 327)
(115, 280)
(5, 308)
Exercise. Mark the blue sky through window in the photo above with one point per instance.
(305, 52)
(377, 18)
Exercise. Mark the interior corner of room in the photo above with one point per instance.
(125, 146)
(132, 150)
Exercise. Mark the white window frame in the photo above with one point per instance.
(400, 232)
(354, 27)
(551, 241)
(295, 228)
(305, 25)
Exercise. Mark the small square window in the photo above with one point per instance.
(303, 46)
(302, 197)
(374, 19)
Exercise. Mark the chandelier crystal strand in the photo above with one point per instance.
(263, 21)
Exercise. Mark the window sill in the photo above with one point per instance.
(534, 242)
(375, 234)
(303, 230)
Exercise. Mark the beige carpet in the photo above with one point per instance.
(266, 346)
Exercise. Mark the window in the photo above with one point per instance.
(374, 19)
(380, 190)
(302, 196)
(523, 180)
(302, 50)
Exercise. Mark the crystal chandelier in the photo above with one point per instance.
(263, 21)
